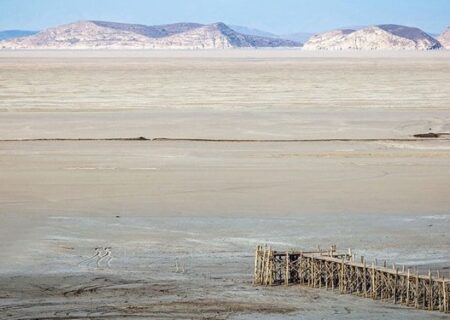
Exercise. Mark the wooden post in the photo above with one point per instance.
(374, 293)
(319, 273)
(300, 268)
(262, 265)
(407, 288)
(430, 291)
(341, 280)
(313, 274)
(365, 277)
(271, 265)
(440, 293)
(416, 295)
(308, 265)
(266, 266)
(286, 279)
(444, 289)
(332, 276)
(395, 286)
(255, 274)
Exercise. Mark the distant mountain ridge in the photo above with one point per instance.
(113, 35)
(253, 31)
(379, 37)
(302, 37)
(11, 34)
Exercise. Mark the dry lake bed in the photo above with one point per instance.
(302, 149)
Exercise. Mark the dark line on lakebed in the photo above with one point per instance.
(417, 137)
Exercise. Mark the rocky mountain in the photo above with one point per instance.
(11, 34)
(380, 37)
(444, 38)
(112, 35)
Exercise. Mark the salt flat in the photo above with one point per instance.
(205, 205)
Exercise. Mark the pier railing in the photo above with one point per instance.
(330, 269)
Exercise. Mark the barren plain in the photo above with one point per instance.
(289, 148)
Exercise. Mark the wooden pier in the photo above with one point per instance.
(329, 269)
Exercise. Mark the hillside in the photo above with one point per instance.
(380, 37)
(112, 35)
(444, 38)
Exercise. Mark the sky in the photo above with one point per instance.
(277, 16)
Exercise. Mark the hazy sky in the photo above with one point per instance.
(279, 16)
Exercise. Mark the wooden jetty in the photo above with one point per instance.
(333, 270)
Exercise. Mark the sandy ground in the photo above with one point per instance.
(180, 220)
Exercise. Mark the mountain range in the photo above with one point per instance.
(113, 35)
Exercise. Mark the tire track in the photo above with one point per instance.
(100, 256)
(96, 255)
(106, 257)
